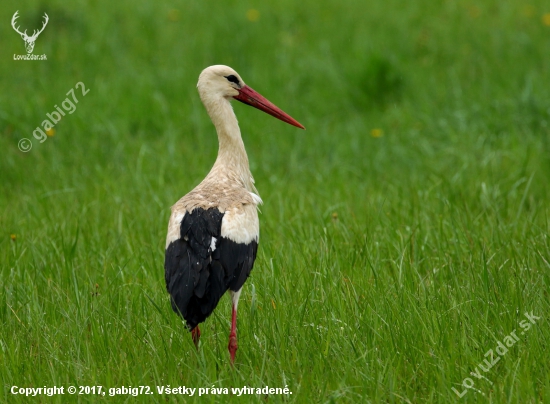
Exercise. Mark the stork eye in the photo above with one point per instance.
(232, 79)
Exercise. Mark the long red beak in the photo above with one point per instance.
(256, 100)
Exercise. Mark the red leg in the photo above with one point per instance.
(196, 335)
(233, 336)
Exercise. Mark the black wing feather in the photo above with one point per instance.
(197, 277)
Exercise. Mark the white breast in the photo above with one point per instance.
(241, 224)
(174, 226)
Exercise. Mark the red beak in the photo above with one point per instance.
(256, 100)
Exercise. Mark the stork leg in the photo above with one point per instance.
(233, 334)
(196, 335)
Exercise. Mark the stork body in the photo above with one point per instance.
(213, 232)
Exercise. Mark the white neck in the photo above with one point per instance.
(232, 161)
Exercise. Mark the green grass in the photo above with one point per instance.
(388, 266)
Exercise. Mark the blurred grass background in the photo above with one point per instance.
(403, 234)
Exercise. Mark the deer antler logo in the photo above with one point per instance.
(29, 40)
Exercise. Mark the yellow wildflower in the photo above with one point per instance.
(376, 132)
(253, 15)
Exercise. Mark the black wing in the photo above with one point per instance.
(197, 277)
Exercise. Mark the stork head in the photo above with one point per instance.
(221, 81)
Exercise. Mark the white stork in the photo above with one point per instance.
(213, 231)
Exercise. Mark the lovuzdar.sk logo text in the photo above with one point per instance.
(29, 39)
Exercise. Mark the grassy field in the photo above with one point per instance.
(404, 235)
